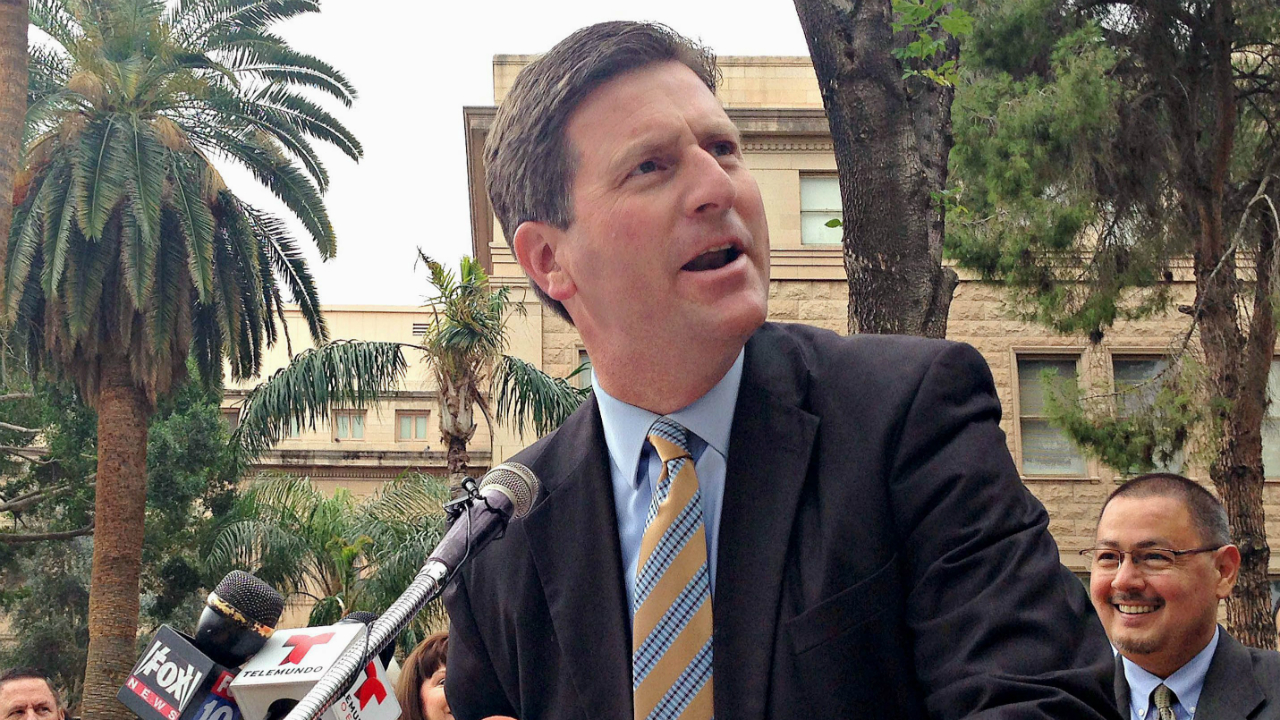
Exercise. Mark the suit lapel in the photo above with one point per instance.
(1231, 691)
(582, 577)
(1122, 689)
(769, 450)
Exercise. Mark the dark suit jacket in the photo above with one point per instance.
(878, 557)
(1243, 683)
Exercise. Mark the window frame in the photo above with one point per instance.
(1065, 352)
(350, 414)
(838, 211)
(414, 413)
(1138, 354)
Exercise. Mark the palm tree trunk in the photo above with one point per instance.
(13, 107)
(119, 514)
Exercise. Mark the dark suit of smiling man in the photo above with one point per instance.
(855, 538)
(1162, 561)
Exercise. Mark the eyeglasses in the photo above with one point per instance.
(1148, 560)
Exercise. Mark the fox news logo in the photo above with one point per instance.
(165, 680)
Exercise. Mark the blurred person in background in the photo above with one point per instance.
(27, 694)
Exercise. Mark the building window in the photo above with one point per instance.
(1138, 381)
(583, 379)
(820, 204)
(232, 416)
(420, 329)
(348, 425)
(1046, 450)
(411, 425)
(1271, 424)
(294, 431)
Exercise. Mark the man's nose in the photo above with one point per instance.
(710, 189)
(1128, 577)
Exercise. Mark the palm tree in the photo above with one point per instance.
(129, 254)
(465, 344)
(13, 103)
(342, 554)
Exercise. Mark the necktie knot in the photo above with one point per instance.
(1163, 698)
(669, 438)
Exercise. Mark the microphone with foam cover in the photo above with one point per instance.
(239, 616)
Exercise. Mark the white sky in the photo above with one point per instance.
(416, 65)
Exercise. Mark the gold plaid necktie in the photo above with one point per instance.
(671, 632)
(1164, 699)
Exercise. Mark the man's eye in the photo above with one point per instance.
(646, 167)
(724, 147)
(1108, 557)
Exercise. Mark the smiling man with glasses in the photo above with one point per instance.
(1162, 561)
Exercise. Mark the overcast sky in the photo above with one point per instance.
(416, 65)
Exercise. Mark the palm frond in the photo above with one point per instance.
(289, 264)
(338, 374)
(101, 172)
(197, 225)
(528, 397)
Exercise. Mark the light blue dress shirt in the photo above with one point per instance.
(1186, 684)
(635, 467)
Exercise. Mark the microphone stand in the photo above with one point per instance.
(428, 584)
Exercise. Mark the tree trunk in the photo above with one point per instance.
(457, 426)
(13, 108)
(119, 516)
(891, 141)
(1238, 365)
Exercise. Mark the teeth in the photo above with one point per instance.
(1135, 609)
(726, 246)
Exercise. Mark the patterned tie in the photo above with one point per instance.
(671, 633)
(1164, 699)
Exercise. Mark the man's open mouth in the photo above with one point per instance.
(1135, 609)
(713, 259)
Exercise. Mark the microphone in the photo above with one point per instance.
(506, 491)
(239, 616)
(288, 666)
(180, 677)
(364, 617)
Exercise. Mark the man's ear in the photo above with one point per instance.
(1227, 562)
(539, 249)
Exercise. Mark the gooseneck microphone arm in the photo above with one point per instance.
(505, 491)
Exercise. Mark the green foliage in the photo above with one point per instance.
(1135, 429)
(1029, 160)
(342, 373)
(934, 23)
(126, 239)
(344, 553)
(191, 476)
(528, 396)
(465, 344)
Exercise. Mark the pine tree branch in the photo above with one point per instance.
(23, 538)
(17, 428)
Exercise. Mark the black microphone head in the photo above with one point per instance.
(366, 618)
(516, 482)
(239, 616)
(257, 600)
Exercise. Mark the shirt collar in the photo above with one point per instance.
(1186, 682)
(710, 417)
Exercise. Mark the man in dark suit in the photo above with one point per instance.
(854, 536)
(1162, 562)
